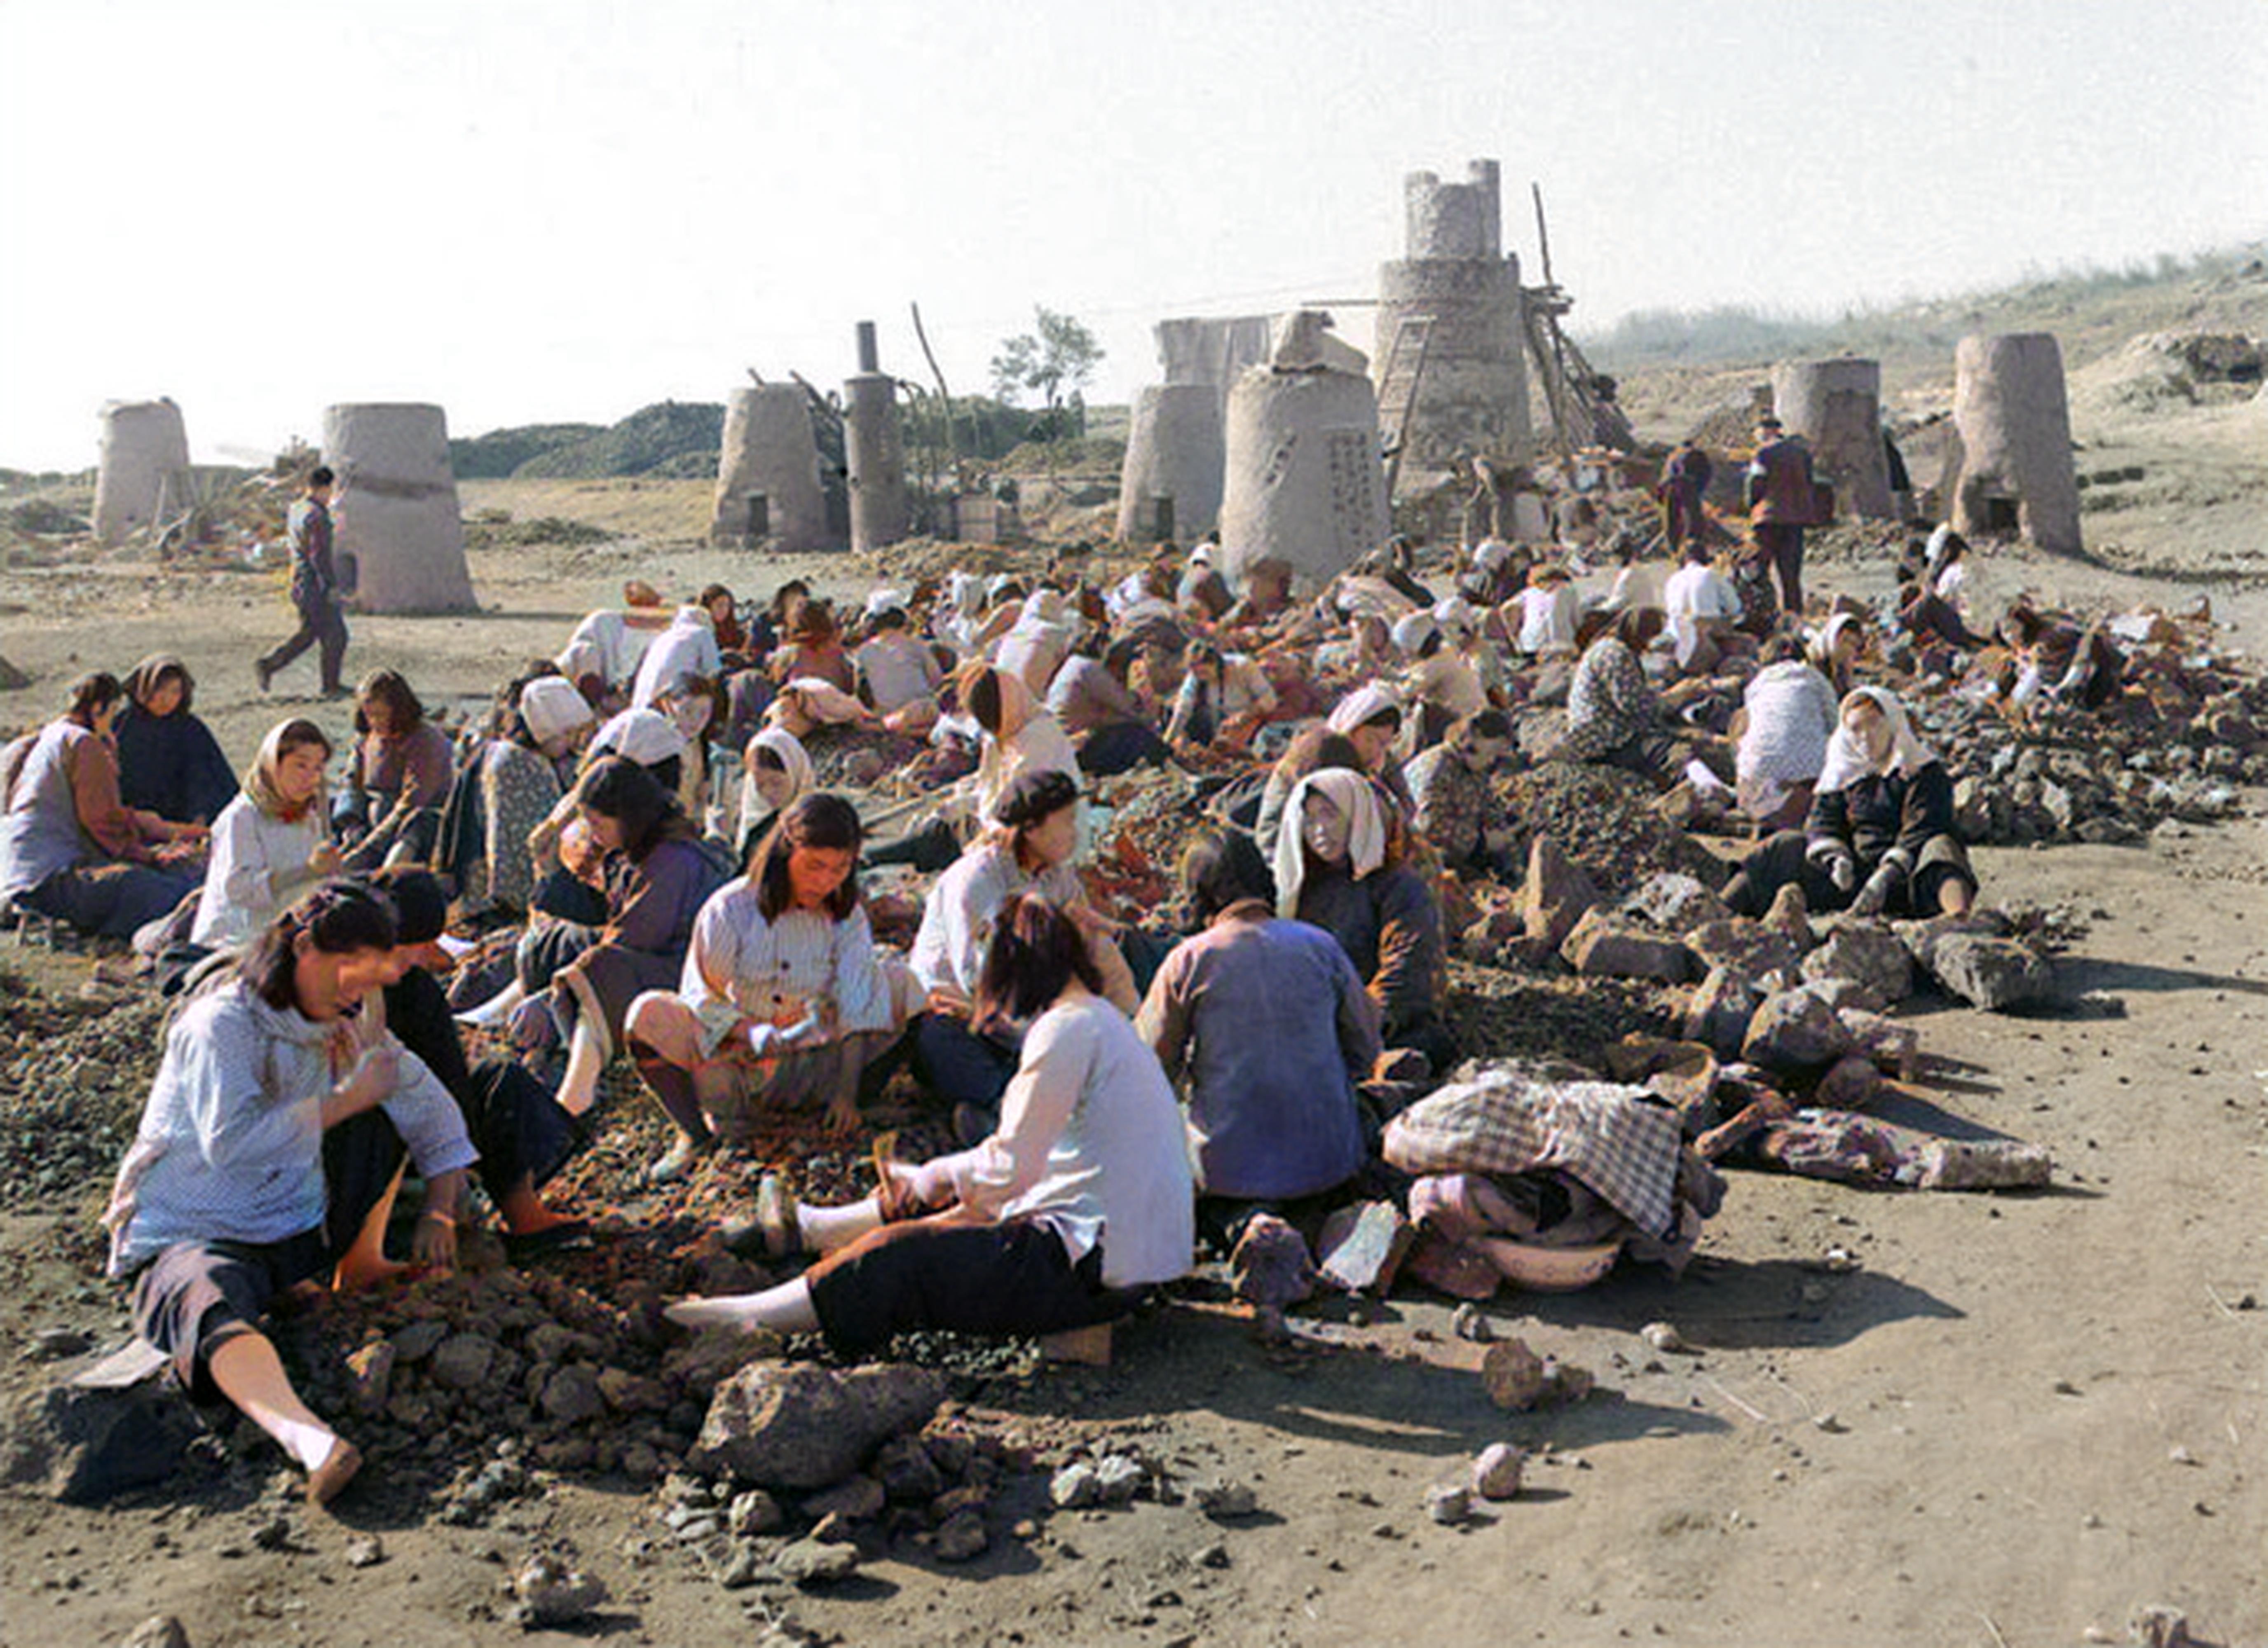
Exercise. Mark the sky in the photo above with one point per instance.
(563, 211)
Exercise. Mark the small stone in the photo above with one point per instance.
(854, 1499)
(1985, 1165)
(1361, 1248)
(810, 1562)
(1665, 1337)
(743, 1567)
(1449, 1504)
(1828, 1423)
(753, 1512)
(571, 1395)
(1212, 1555)
(1603, 947)
(418, 1340)
(2180, 1456)
(962, 1536)
(553, 1594)
(159, 1630)
(461, 1361)
(365, 1551)
(1119, 1478)
(56, 1344)
(1225, 1500)
(370, 1376)
(1514, 1376)
(1497, 1471)
(2158, 1625)
(1794, 1030)
(1992, 973)
(908, 1472)
(1472, 1325)
(1075, 1487)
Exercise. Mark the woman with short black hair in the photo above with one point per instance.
(1078, 1200)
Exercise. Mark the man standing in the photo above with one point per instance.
(1684, 482)
(314, 588)
(1782, 501)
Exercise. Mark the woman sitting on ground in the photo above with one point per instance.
(1879, 840)
(1223, 700)
(69, 848)
(262, 1164)
(1108, 724)
(1835, 650)
(1787, 714)
(1266, 1025)
(399, 780)
(813, 649)
(1338, 866)
(271, 843)
(1613, 718)
(776, 770)
(1370, 718)
(1312, 749)
(1016, 735)
(965, 1058)
(782, 1001)
(525, 773)
(169, 762)
(658, 876)
(1056, 1222)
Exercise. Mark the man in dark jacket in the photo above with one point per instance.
(314, 589)
(1782, 501)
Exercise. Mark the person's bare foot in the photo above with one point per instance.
(357, 1275)
(329, 1479)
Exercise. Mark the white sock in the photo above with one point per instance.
(784, 1309)
(826, 1228)
(310, 1444)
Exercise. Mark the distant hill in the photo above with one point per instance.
(670, 438)
(2091, 312)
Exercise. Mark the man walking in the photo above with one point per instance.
(1782, 501)
(314, 588)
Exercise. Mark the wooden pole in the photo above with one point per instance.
(944, 394)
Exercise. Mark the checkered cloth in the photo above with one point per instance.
(1620, 1142)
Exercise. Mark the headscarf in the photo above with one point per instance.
(1016, 702)
(793, 759)
(260, 782)
(1410, 635)
(1832, 631)
(144, 677)
(1847, 761)
(581, 660)
(807, 702)
(1364, 704)
(1357, 802)
(884, 600)
(551, 707)
(646, 737)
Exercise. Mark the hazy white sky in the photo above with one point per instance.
(563, 210)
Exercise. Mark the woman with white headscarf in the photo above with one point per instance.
(271, 843)
(1040, 642)
(524, 774)
(1338, 866)
(1019, 735)
(1370, 715)
(1879, 840)
(774, 772)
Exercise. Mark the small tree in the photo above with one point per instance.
(1056, 359)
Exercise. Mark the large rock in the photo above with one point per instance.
(1870, 957)
(1747, 947)
(1674, 902)
(1558, 893)
(793, 1425)
(1994, 973)
(1601, 946)
(83, 1445)
(1720, 1011)
(1795, 1031)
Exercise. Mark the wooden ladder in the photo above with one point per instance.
(1413, 334)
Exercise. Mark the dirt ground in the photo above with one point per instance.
(1957, 1419)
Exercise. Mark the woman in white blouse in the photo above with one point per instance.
(262, 1162)
(271, 842)
(782, 1001)
(1081, 1198)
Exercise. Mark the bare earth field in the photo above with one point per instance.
(1998, 1420)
